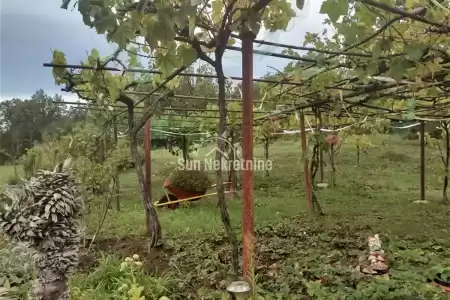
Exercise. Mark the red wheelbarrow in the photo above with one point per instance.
(174, 196)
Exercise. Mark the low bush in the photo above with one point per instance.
(121, 280)
(192, 180)
(16, 269)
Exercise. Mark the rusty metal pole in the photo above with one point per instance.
(148, 165)
(306, 173)
(247, 155)
(422, 160)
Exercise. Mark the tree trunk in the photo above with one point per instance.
(101, 150)
(152, 221)
(266, 154)
(219, 179)
(50, 286)
(321, 162)
(444, 191)
(185, 150)
(314, 167)
(358, 154)
(447, 160)
(232, 171)
(117, 183)
(153, 226)
(333, 168)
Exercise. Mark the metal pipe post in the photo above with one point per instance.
(247, 155)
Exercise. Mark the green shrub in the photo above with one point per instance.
(115, 279)
(395, 156)
(13, 180)
(192, 180)
(445, 274)
(16, 264)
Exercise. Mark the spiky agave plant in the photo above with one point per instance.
(45, 212)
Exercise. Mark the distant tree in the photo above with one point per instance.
(25, 122)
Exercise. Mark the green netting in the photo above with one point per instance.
(170, 124)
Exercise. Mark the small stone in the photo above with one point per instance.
(361, 259)
(368, 270)
(381, 258)
(380, 266)
(272, 274)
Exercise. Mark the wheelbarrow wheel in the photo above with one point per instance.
(171, 197)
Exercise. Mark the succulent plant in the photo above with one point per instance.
(45, 212)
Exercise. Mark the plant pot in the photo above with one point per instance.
(442, 283)
(182, 193)
(171, 197)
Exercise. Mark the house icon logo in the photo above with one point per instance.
(212, 153)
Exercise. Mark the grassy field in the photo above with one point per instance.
(297, 256)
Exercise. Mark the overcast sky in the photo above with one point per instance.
(31, 29)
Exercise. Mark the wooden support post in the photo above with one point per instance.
(306, 173)
(422, 160)
(117, 183)
(148, 164)
(322, 177)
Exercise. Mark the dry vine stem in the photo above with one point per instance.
(45, 212)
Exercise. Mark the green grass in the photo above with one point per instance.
(376, 197)
(385, 184)
(8, 172)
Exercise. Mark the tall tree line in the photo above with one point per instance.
(24, 122)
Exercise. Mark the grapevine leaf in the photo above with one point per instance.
(187, 54)
(254, 23)
(385, 44)
(398, 67)
(217, 7)
(95, 54)
(113, 92)
(376, 50)
(181, 16)
(410, 109)
(60, 59)
(106, 22)
(132, 57)
(192, 25)
(334, 9)
(414, 51)
(165, 28)
(166, 62)
(409, 4)
(320, 60)
(135, 20)
(300, 4)
(122, 34)
(301, 74)
(277, 16)
(432, 92)
(150, 26)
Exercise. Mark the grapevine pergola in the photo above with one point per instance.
(369, 84)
